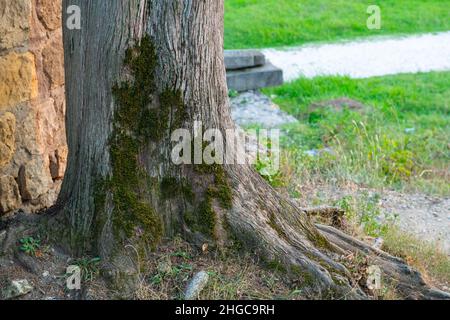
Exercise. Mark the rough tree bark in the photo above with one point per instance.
(135, 71)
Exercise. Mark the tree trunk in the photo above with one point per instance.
(136, 71)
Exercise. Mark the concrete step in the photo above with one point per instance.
(254, 78)
(240, 59)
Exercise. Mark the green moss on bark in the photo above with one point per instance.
(133, 126)
(143, 116)
(172, 103)
(221, 189)
(188, 193)
(306, 277)
(274, 225)
(169, 187)
(207, 217)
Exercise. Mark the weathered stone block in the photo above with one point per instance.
(14, 23)
(53, 60)
(49, 12)
(34, 179)
(9, 194)
(33, 148)
(57, 163)
(254, 78)
(18, 81)
(15, 289)
(7, 138)
(48, 124)
(240, 59)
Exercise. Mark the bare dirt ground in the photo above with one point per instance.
(163, 276)
(46, 274)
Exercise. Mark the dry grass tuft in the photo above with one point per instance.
(232, 276)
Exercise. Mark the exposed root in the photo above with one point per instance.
(283, 234)
(332, 213)
(279, 230)
(409, 282)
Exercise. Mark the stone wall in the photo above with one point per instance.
(33, 148)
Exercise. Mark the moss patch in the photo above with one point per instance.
(134, 124)
(188, 192)
(276, 265)
(207, 219)
(143, 116)
(221, 189)
(274, 225)
(306, 277)
(169, 187)
(171, 101)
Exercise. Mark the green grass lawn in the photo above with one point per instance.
(273, 23)
(399, 139)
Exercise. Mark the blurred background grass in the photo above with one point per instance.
(274, 23)
(399, 138)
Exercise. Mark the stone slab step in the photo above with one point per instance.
(254, 78)
(240, 59)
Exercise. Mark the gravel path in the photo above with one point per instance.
(425, 216)
(365, 58)
(254, 108)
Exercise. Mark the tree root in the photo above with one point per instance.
(332, 213)
(408, 282)
(283, 234)
(281, 231)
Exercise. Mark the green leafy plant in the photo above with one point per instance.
(90, 268)
(266, 166)
(232, 93)
(364, 211)
(181, 254)
(263, 167)
(30, 246)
